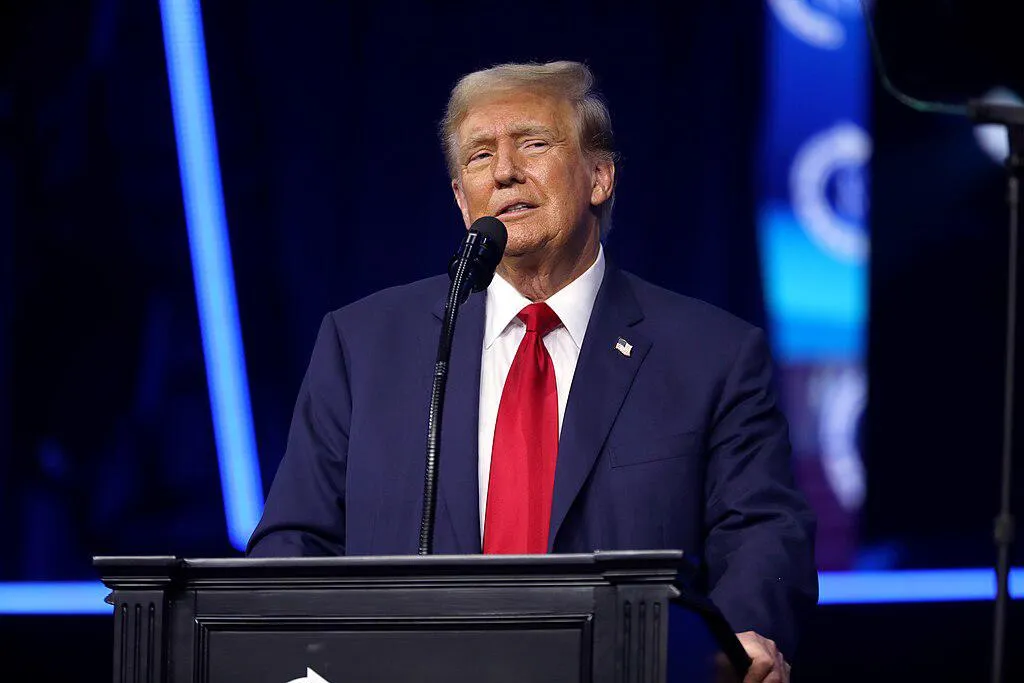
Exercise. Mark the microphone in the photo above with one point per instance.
(478, 255)
(471, 269)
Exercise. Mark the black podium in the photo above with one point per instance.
(611, 616)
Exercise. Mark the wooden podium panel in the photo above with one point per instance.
(603, 617)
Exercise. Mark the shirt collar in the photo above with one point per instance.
(573, 303)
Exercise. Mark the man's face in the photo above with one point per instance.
(519, 160)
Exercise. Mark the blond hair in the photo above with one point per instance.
(571, 81)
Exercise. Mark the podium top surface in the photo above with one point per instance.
(600, 567)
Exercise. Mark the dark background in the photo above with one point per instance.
(326, 118)
(938, 290)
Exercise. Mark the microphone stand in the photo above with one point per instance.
(471, 269)
(1012, 117)
(458, 291)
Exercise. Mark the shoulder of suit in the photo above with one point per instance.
(419, 295)
(665, 307)
(662, 307)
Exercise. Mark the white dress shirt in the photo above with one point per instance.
(503, 332)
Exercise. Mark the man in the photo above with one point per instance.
(586, 409)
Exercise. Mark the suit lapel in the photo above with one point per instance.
(458, 468)
(600, 383)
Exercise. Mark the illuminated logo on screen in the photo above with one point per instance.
(816, 22)
(843, 397)
(828, 190)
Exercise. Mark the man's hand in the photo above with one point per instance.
(767, 665)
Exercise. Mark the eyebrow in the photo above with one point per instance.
(520, 131)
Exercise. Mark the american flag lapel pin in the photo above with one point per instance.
(624, 347)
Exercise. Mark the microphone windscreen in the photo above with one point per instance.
(492, 228)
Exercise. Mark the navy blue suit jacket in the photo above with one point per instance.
(679, 445)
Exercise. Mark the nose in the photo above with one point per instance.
(506, 168)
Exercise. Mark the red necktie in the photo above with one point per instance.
(525, 448)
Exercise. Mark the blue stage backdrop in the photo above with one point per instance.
(812, 226)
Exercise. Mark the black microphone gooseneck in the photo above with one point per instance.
(471, 269)
(1012, 118)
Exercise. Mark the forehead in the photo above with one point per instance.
(506, 112)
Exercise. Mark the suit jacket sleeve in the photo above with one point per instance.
(305, 509)
(759, 550)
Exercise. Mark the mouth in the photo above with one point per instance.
(513, 209)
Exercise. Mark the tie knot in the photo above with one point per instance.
(539, 318)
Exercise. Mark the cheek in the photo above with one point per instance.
(572, 183)
(584, 183)
(477, 196)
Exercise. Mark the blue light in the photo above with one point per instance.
(211, 267)
(54, 598)
(926, 585)
(837, 588)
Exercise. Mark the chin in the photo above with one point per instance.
(522, 245)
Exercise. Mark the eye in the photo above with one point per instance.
(482, 154)
(536, 144)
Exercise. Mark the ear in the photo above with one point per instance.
(460, 199)
(604, 182)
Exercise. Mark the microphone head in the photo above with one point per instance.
(490, 227)
(480, 253)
